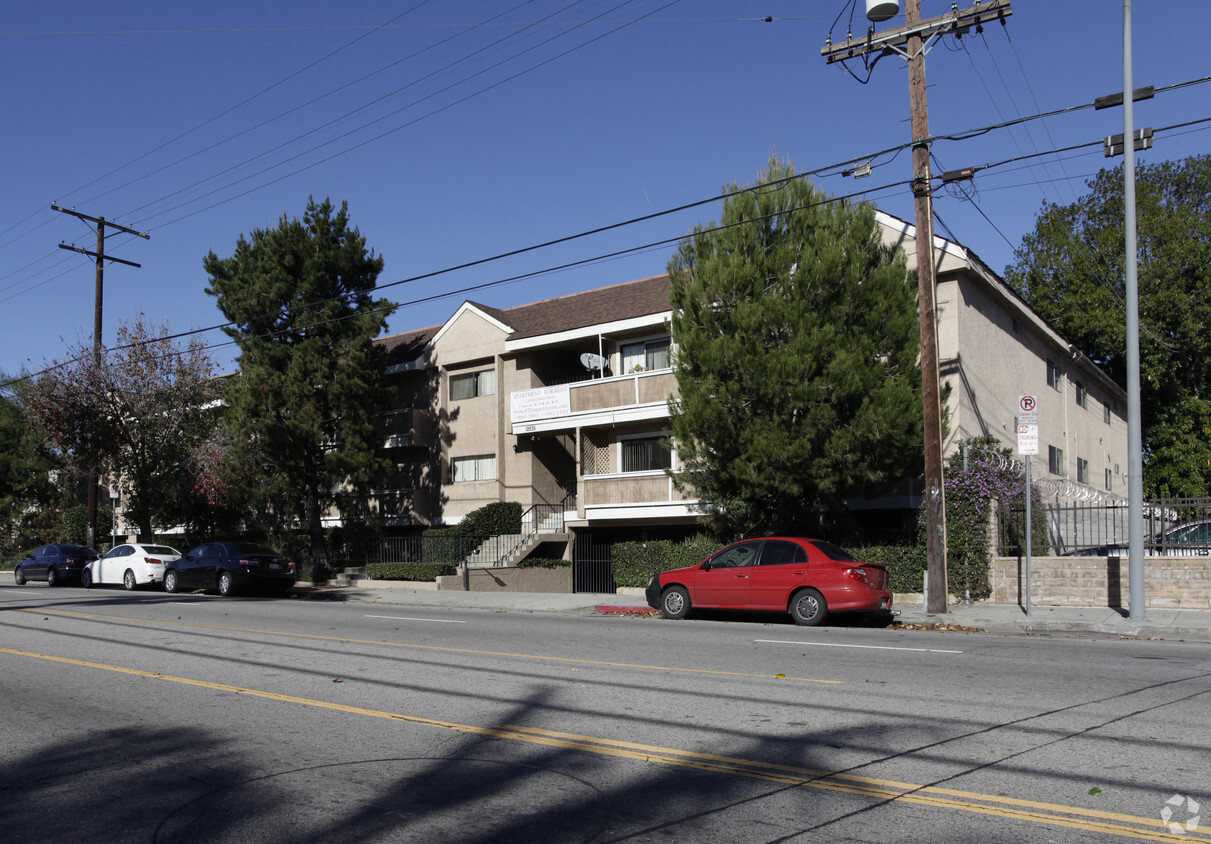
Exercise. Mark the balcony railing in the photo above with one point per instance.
(406, 427)
(598, 394)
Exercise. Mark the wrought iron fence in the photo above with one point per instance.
(1172, 527)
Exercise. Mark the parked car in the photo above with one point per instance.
(57, 564)
(1188, 539)
(229, 567)
(132, 565)
(808, 578)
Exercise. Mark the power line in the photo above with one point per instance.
(509, 280)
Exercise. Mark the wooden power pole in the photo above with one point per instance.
(911, 41)
(101, 258)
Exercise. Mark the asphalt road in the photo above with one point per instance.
(189, 718)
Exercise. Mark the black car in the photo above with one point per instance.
(229, 567)
(56, 564)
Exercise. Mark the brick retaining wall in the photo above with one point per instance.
(1169, 582)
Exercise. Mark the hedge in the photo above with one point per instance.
(543, 563)
(905, 564)
(429, 572)
(634, 563)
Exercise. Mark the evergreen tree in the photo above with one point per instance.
(1070, 270)
(28, 499)
(311, 379)
(796, 335)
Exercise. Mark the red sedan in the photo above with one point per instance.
(808, 578)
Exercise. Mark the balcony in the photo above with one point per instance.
(406, 427)
(636, 396)
(633, 497)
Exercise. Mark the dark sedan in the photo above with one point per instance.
(56, 563)
(228, 567)
(808, 578)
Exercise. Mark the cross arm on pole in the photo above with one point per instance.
(896, 40)
(96, 255)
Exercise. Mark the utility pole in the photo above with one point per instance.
(911, 41)
(101, 258)
(1135, 451)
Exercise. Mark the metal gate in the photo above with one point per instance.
(591, 561)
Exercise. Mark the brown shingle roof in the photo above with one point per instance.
(407, 346)
(632, 299)
(593, 307)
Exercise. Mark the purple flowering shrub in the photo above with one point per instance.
(972, 487)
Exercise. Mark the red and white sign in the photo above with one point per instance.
(1028, 425)
(1028, 439)
(1028, 410)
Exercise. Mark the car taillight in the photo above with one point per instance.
(250, 564)
(154, 562)
(289, 566)
(857, 574)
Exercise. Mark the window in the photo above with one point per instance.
(779, 553)
(736, 556)
(646, 454)
(1106, 412)
(469, 385)
(1109, 480)
(652, 354)
(480, 467)
(1082, 395)
(1054, 379)
(1082, 470)
(1055, 460)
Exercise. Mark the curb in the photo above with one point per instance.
(624, 609)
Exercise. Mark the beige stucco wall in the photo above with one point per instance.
(510, 579)
(998, 361)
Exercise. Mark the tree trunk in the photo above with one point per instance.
(315, 530)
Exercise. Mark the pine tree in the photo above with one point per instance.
(310, 381)
(796, 335)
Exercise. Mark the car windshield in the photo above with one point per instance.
(160, 549)
(835, 552)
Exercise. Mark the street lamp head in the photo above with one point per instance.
(878, 11)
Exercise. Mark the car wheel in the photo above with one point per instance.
(675, 602)
(128, 580)
(86, 579)
(170, 581)
(52, 578)
(225, 583)
(808, 608)
(19, 576)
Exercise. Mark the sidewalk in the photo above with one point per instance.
(1103, 622)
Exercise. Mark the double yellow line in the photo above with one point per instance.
(1008, 808)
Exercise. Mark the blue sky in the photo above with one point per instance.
(458, 131)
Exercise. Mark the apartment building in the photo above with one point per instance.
(562, 405)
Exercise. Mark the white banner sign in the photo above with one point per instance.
(542, 403)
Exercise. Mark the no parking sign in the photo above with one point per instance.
(1028, 425)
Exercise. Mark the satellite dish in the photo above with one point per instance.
(593, 363)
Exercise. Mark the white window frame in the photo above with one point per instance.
(643, 355)
(482, 383)
(1055, 378)
(472, 467)
(662, 436)
(1055, 460)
